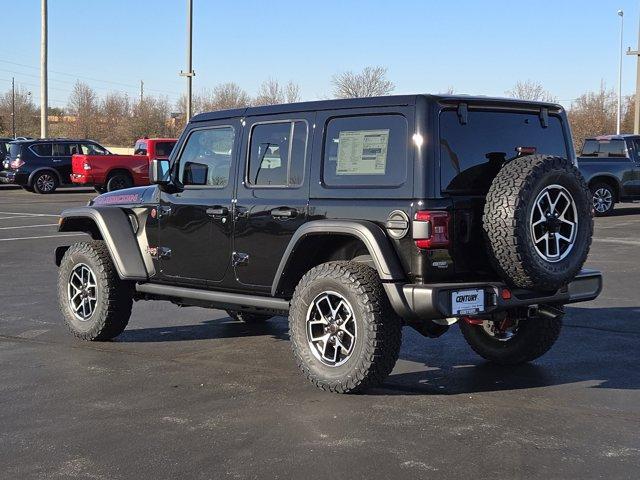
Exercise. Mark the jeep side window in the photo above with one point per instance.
(276, 154)
(42, 149)
(61, 150)
(206, 157)
(365, 151)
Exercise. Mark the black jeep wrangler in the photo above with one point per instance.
(356, 217)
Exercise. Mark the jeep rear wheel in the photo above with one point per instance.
(511, 341)
(95, 303)
(344, 334)
(537, 222)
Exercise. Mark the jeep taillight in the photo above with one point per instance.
(431, 229)
(17, 163)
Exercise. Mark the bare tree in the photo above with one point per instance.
(272, 93)
(593, 113)
(150, 118)
(27, 114)
(116, 113)
(530, 90)
(628, 110)
(292, 92)
(227, 96)
(371, 82)
(83, 104)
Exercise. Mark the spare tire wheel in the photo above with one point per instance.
(537, 222)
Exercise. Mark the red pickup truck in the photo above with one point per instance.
(113, 172)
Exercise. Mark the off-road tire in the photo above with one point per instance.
(118, 181)
(38, 189)
(534, 338)
(507, 216)
(605, 186)
(379, 330)
(114, 296)
(248, 317)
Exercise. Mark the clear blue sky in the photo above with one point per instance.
(477, 47)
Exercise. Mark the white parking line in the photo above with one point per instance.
(17, 216)
(30, 226)
(26, 214)
(43, 236)
(620, 241)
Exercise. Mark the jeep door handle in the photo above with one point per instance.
(217, 211)
(284, 212)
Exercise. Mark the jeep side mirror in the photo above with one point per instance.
(159, 170)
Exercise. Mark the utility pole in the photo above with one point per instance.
(619, 115)
(141, 90)
(13, 106)
(636, 115)
(44, 102)
(189, 73)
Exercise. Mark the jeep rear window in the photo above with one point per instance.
(604, 148)
(163, 149)
(366, 151)
(14, 149)
(471, 154)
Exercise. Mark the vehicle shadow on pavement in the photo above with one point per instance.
(207, 330)
(594, 347)
(622, 211)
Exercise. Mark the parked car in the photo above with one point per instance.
(356, 217)
(115, 172)
(42, 165)
(611, 167)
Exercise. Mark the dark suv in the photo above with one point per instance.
(43, 165)
(354, 217)
(611, 166)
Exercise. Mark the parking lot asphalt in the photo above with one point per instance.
(189, 393)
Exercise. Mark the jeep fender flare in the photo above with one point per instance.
(115, 229)
(372, 236)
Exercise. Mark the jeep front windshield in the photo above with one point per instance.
(471, 154)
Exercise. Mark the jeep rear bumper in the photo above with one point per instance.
(434, 301)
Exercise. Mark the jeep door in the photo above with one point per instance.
(272, 194)
(195, 224)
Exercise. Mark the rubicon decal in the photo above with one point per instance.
(117, 199)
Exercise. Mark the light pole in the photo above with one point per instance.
(636, 115)
(618, 118)
(189, 73)
(44, 101)
(13, 106)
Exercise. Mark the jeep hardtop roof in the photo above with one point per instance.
(385, 101)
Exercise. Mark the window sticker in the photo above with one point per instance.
(362, 152)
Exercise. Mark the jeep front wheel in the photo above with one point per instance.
(95, 303)
(512, 340)
(344, 333)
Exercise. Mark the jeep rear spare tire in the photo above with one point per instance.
(537, 222)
